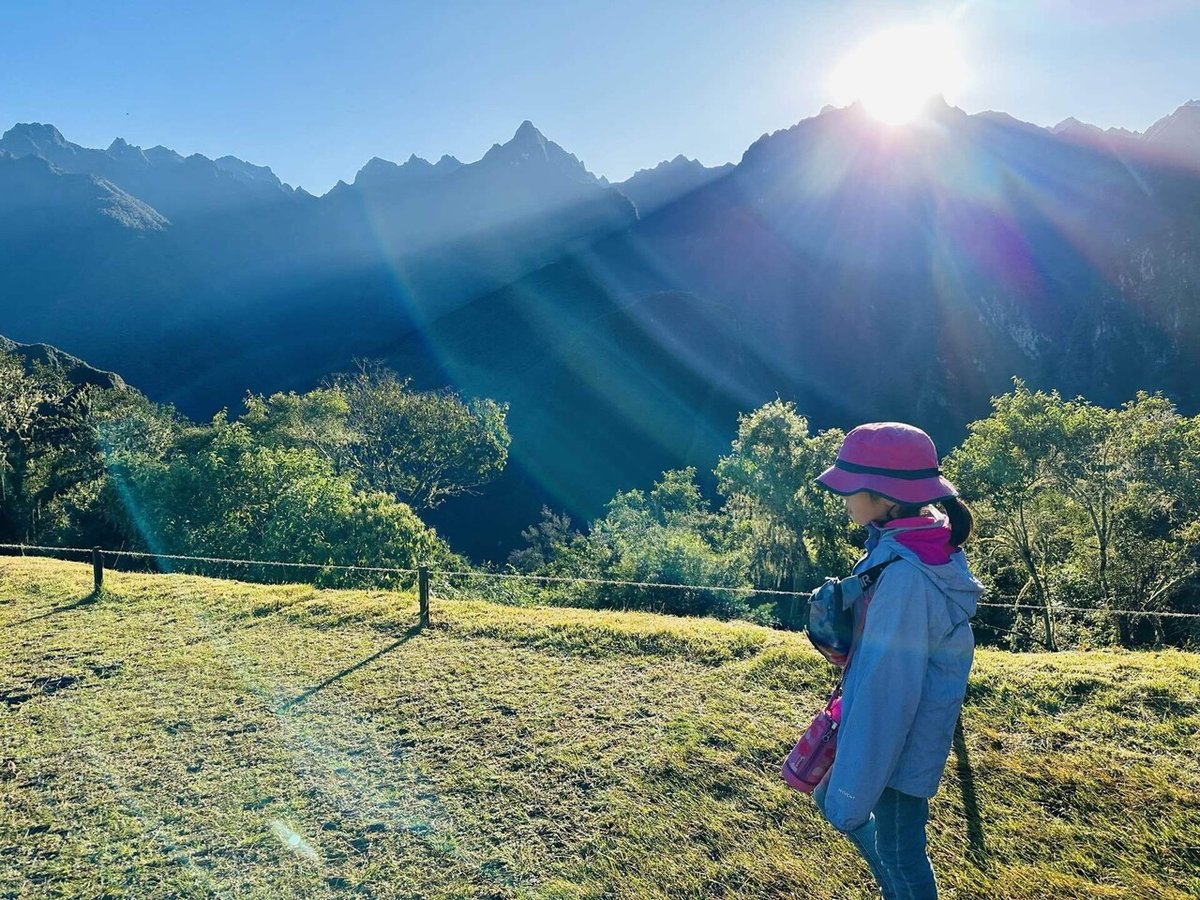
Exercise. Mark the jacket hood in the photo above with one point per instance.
(924, 541)
(926, 536)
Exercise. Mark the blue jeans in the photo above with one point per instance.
(893, 843)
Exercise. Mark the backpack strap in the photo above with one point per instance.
(866, 580)
(854, 586)
(869, 577)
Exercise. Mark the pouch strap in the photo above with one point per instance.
(867, 580)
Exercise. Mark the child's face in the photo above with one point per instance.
(864, 507)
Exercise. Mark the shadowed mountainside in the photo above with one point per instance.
(863, 271)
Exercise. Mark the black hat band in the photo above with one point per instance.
(906, 474)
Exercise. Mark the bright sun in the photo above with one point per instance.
(896, 71)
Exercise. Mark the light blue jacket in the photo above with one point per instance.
(906, 679)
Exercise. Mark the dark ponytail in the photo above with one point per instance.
(962, 521)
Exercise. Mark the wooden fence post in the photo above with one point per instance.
(423, 589)
(98, 568)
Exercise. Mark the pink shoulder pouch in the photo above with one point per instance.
(813, 754)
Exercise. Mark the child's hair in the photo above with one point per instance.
(962, 520)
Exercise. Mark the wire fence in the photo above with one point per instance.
(209, 559)
(639, 584)
(424, 574)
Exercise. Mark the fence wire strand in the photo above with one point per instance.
(1142, 613)
(605, 581)
(1103, 610)
(216, 559)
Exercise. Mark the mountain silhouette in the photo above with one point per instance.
(863, 270)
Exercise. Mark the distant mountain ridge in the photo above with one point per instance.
(234, 247)
(860, 270)
(127, 165)
(525, 184)
(1176, 136)
(172, 184)
(263, 272)
(382, 174)
(652, 189)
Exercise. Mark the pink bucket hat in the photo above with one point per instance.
(894, 460)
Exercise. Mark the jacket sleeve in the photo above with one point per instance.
(883, 690)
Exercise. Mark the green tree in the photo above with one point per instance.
(424, 447)
(1138, 489)
(667, 536)
(554, 549)
(1002, 468)
(794, 531)
(20, 399)
(51, 462)
(317, 421)
(219, 493)
(671, 537)
(1097, 505)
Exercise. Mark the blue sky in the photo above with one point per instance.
(314, 89)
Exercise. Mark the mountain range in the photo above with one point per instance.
(861, 270)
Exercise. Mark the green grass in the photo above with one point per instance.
(186, 737)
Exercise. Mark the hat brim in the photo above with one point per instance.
(899, 490)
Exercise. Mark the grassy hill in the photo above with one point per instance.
(187, 737)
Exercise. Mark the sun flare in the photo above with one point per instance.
(895, 72)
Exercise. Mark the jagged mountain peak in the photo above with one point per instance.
(36, 131)
(1072, 122)
(159, 154)
(528, 132)
(1178, 134)
(248, 173)
(123, 150)
(39, 139)
(529, 147)
(651, 189)
(679, 163)
(525, 139)
(375, 170)
(379, 173)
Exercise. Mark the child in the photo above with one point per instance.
(912, 650)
